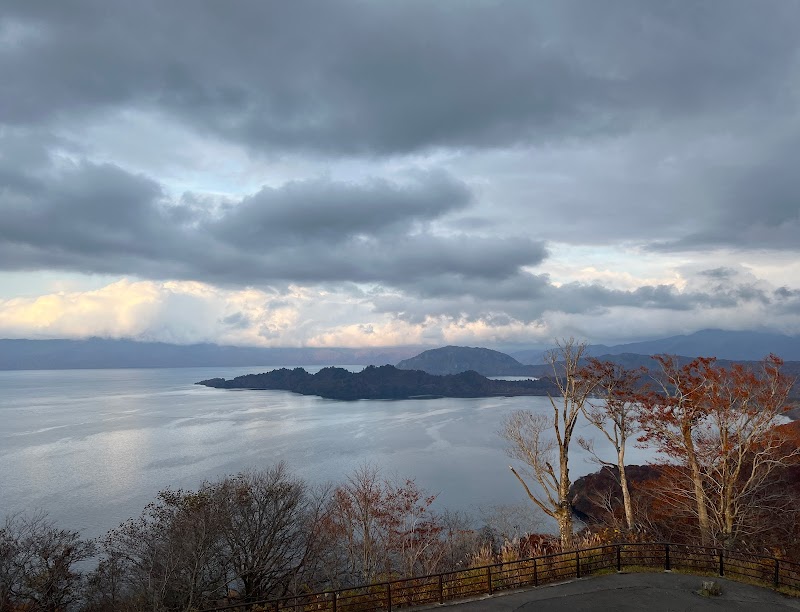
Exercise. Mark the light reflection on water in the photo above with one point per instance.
(92, 447)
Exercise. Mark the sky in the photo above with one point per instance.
(377, 172)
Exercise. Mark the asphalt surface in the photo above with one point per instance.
(656, 592)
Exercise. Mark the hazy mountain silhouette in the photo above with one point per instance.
(103, 353)
(455, 359)
(734, 345)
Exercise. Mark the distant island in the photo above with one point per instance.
(383, 382)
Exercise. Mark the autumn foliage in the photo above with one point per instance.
(728, 475)
(729, 471)
(377, 530)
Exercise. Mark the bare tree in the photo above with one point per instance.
(538, 440)
(615, 415)
(414, 529)
(382, 529)
(460, 539)
(357, 520)
(168, 558)
(253, 533)
(269, 526)
(37, 564)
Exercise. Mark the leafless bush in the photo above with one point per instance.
(37, 564)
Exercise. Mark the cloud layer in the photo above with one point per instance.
(494, 172)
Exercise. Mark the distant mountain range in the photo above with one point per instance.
(103, 353)
(451, 360)
(733, 345)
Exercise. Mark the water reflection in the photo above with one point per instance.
(93, 447)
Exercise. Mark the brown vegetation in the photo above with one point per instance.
(730, 478)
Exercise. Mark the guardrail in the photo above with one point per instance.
(532, 572)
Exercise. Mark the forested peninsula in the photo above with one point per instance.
(383, 382)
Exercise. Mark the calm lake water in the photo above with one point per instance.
(92, 447)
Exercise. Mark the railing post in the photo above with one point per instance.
(292, 602)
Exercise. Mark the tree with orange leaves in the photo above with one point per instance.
(741, 444)
(720, 425)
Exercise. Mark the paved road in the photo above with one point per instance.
(656, 592)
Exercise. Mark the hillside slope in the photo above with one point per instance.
(455, 359)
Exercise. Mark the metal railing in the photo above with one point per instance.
(532, 572)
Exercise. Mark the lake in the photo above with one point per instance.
(92, 447)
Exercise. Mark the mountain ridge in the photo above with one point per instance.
(27, 354)
(100, 353)
(730, 345)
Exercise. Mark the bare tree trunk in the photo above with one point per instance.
(534, 439)
(615, 417)
(729, 524)
(700, 498)
(672, 417)
(626, 494)
(564, 513)
(565, 527)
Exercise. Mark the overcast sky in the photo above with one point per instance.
(354, 173)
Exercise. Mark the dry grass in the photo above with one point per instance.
(514, 573)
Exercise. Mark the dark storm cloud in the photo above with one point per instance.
(700, 99)
(88, 212)
(348, 76)
(527, 298)
(99, 218)
(582, 297)
(313, 210)
(518, 286)
(757, 205)
(355, 76)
